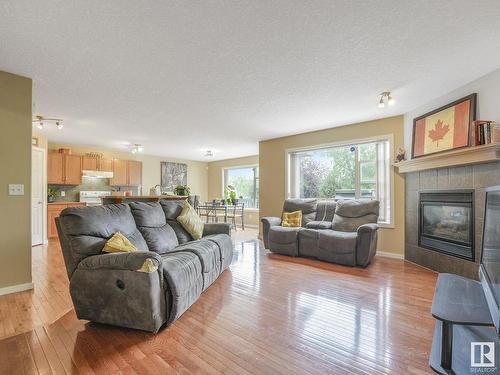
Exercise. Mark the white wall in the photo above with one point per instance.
(488, 103)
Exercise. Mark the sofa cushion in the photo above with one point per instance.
(209, 255)
(307, 206)
(225, 245)
(86, 230)
(337, 247)
(351, 214)
(325, 210)
(182, 273)
(172, 210)
(319, 225)
(152, 224)
(283, 235)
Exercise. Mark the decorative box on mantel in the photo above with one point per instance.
(468, 169)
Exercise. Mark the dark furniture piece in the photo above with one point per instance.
(463, 318)
(343, 231)
(113, 288)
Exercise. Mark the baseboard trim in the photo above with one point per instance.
(390, 255)
(251, 226)
(16, 288)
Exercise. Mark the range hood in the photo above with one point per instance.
(97, 174)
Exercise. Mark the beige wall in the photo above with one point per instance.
(215, 188)
(15, 162)
(197, 170)
(272, 170)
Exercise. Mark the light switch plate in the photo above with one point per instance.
(16, 189)
(63, 193)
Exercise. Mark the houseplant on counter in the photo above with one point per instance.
(51, 195)
(182, 190)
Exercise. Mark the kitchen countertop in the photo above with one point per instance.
(64, 202)
(147, 198)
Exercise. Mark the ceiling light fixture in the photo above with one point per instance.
(39, 120)
(208, 153)
(386, 97)
(137, 148)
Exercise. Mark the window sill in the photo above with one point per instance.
(386, 225)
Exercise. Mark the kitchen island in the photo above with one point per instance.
(112, 199)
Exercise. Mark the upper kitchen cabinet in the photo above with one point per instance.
(105, 164)
(64, 169)
(134, 173)
(72, 169)
(126, 173)
(90, 163)
(55, 168)
(120, 173)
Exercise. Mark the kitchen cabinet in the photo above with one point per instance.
(134, 173)
(64, 169)
(53, 211)
(105, 164)
(120, 173)
(55, 168)
(90, 163)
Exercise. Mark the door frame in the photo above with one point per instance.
(44, 191)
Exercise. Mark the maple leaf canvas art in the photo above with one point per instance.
(445, 128)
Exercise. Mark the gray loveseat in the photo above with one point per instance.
(108, 288)
(343, 231)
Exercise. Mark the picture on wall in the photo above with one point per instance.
(445, 128)
(172, 174)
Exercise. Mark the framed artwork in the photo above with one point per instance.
(445, 128)
(172, 174)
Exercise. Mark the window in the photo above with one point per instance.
(348, 171)
(245, 181)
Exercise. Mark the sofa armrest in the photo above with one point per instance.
(120, 261)
(366, 244)
(267, 223)
(216, 228)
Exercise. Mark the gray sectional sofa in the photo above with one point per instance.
(343, 231)
(108, 288)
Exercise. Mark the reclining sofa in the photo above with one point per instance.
(343, 231)
(113, 289)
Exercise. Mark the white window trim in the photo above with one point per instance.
(383, 137)
(223, 179)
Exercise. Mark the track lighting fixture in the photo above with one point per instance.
(39, 121)
(136, 148)
(386, 97)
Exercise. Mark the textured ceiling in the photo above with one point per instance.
(183, 76)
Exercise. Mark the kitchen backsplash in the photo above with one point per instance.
(72, 193)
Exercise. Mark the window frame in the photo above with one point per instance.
(223, 179)
(379, 138)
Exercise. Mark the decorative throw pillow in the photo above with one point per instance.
(119, 244)
(190, 221)
(292, 219)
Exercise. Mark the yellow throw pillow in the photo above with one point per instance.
(190, 221)
(119, 244)
(292, 219)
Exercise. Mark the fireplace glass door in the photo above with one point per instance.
(447, 223)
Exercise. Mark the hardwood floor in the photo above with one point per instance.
(268, 314)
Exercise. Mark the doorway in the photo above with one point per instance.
(37, 196)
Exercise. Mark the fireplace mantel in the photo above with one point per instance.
(464, 156)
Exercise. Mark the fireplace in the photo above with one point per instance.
(446, 222)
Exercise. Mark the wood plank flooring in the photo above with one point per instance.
(268, 314)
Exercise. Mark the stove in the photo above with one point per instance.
(93, 197)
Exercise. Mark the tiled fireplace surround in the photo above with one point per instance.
(476, 177)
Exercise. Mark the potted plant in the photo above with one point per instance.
(231, 196)
(51, 195)
(182, 190)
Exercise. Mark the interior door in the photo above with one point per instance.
(37, 196)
